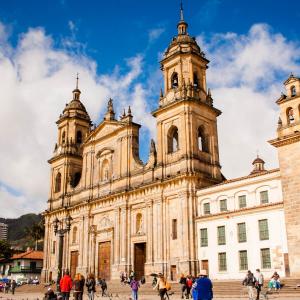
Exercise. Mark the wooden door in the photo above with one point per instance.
(104, 260)
(286, 264)
(173, 273)
(139, 259)
(74, 263)
(205, 266)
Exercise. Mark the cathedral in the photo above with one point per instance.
(176, 213)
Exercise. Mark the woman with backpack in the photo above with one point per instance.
(162, 285)
(78, 288)
(91, 286)
(134, 284)
(189, 284)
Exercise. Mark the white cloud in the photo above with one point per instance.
(155, 33)
(246, 75)
(37, 80)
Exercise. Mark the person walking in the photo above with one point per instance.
(91, 286)
(182, 281)
(134, 284)
(103, 285)
(65, 285)
(203, 287)
(189, 284)
(259, 282)
(78, 288)
(161, 286)
(13, 286)
(249, 281)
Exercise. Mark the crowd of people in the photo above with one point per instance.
(197, 288)
(78, 286)
(256, 281)
(9, 286)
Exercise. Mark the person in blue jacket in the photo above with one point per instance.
(204, 287)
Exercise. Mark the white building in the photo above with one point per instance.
(3, 231)
(240, 226)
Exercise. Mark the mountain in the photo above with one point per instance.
(16, 227)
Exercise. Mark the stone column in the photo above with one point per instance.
(47, 241)
(123, 237)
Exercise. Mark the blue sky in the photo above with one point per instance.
(116, 47)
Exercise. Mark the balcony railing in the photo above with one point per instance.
(22, 269)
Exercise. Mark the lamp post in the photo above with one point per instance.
(61, 232)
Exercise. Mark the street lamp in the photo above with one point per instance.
(61, 232)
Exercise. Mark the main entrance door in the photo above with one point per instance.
(139, 259)
(73, 263)
(104, 262)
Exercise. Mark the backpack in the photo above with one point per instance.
(189, 282)
(168, 286)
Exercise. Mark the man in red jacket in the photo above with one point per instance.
(65, 285)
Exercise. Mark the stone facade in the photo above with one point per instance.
(127, 214)
(288, 145)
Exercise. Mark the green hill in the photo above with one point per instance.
(16, 227)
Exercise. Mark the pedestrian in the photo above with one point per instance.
(103, 285)
(203, 287)
(189, 284)
(65, 286)
(91, 286)
(13, 286)
(161, 286)
(259, 282)
(274, 282)
(249, 281)
(134, 284)
(77, 285)
(82, 282)
(50, 295)
(182, 281)
(131, 275)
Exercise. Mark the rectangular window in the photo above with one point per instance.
(264, 197)
(223, 205)
(242, 236)
(203, 237)
(263, 229)
(265, 258)
(243, 260)
(222, 261)
(242, 201)
(174, 229)
(206, 208)
(221, 235)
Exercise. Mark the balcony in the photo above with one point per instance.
(22, 269)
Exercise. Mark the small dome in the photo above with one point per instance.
(258, 160)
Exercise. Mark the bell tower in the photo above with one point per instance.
(187, 140)
(74, 124)
(288, 147)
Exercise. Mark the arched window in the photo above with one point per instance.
(174, 80)
(74, 235)
(202, 140)
(173, 144)
(195, 80)
(290, 115)
(57, 183)
(139, 223)
(105, 174)
(79, 137)
(63, 137)
(293, 91)
(75, 179)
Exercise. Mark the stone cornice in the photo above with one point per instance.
(177, 102)
(242, 211)
(290, 139)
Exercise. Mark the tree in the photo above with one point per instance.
(5, 249)
(36, 232)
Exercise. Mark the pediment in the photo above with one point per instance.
(104, 129)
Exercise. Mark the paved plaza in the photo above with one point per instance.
(35, 296)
